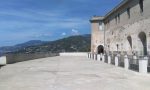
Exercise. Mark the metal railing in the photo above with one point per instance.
(133, 60)
(148, 67)
(113, 59)
(96, 56)
(106, 58)
(121, 60)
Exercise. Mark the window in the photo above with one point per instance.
(141, 5)
(118, 18)
(108, 23)
(128, 12)
(100, 26)
(112, 33)
(117, 46)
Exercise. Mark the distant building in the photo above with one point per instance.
(125, 29)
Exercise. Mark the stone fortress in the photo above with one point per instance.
(125, 29)
(122, 36)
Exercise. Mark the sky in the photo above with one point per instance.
(48, 20)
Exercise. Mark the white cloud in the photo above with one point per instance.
(63, 34)
(75, 32)
(20, 26)
(42, 35)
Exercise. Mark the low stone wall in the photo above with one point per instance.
(73, 54)
(13, 58)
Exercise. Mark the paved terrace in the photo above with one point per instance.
(70, 73)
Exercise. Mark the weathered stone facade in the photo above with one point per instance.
(126, 29)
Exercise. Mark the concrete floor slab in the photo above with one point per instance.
(70, 73)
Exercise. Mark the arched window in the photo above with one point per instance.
(141, 5)
(142, 37)
(130, 41)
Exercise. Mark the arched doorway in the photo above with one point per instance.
(143, 39)
(100, 49)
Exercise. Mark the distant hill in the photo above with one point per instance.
(80, 43)
(10, 49)
(32, 43)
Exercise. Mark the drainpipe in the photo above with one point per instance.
(104, 39)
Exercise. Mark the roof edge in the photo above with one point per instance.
(116, 8)
(98, 18)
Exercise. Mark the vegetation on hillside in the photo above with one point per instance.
(80, 43)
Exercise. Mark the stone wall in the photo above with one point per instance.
(2, 60)
(135, 14)
(73, 54)
(13, 58)
(136, 28)
(120, 37)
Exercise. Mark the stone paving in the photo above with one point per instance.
(70, 73)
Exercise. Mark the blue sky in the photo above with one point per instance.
(24, 20)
